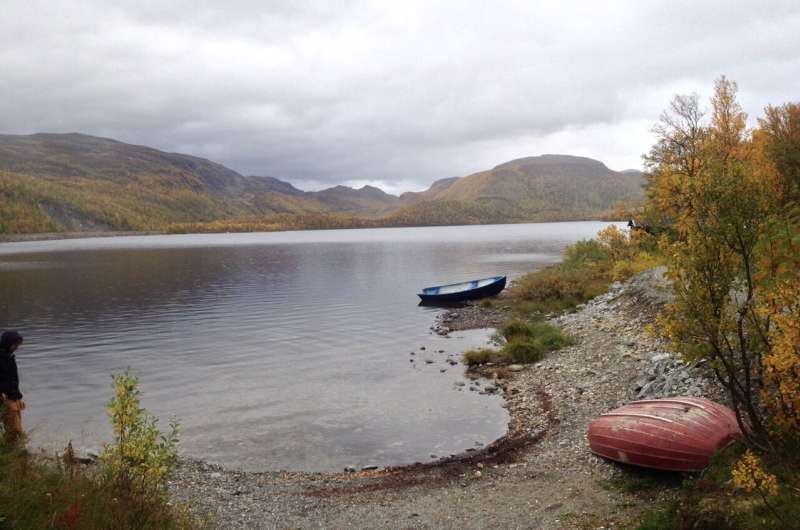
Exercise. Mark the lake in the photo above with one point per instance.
(284, 350)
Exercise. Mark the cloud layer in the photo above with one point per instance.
(393, 93)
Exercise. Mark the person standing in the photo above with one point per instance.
(13, 404)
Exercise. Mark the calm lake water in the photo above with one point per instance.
(275, 350)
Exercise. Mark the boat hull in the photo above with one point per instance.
(469, 294)
(675, 434)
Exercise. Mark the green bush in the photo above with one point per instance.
(516, 328)
(523, 350)
(523, 342)
(481, 356)
(588, 268)
(47, 492)
(558, 288)
(528, 343)
(141, 457)
(586, 251)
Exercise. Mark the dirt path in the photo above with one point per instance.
(541, 475)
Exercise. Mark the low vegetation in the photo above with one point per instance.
(522, 342)
(127, 490)
(587, 270)
(715, 499)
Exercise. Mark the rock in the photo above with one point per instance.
(428, 361)
(515, 368)
(350, 469)
(370, 467)
(422, 348)
(216, 475)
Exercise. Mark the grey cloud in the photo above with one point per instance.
(325, 92)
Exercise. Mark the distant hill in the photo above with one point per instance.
(547, 187)
(414, 197)
(53, 182)
(75, 182)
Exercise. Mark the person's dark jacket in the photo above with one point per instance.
(9, 377)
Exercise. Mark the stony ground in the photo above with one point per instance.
(541, 475)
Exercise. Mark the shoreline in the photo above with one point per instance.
(541, 472)
(57, 236)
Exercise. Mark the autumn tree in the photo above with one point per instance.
(725, 192)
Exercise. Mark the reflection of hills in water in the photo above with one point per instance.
(273, 353)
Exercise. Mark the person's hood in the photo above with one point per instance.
(8, 339)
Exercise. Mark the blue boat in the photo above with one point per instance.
(458, 292)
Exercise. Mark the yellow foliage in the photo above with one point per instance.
(750, 475)
(141, 458)
(780, 302)
(732, 252)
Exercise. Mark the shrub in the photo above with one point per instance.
(481, 356)
(557, 288)
(516, 328)
(141, 458)
(550, 337)
(523, 342)
(642, 261)
(41, 492)
(587, 251)
(528, 343)
(523, 350)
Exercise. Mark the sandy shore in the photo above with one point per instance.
(540, 475)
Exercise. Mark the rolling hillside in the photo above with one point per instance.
(75, 182)
(547, 187)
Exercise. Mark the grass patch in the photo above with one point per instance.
(523, 342)
(661, 519)
(481, 356)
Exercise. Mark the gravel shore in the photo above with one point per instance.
(540, 475)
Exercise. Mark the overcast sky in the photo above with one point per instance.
(395, 93)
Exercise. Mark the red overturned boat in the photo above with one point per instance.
(673, 434)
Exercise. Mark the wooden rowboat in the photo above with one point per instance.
(674, 434)
(458, 292)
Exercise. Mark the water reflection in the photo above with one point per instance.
(287, 350)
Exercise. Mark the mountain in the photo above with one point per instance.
(367, 199)
(75, 182)
(546, 187)
(78, 182)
